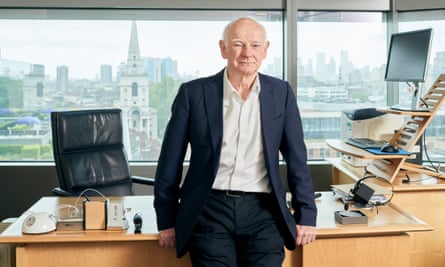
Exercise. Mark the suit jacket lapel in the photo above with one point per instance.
(213, 101)
(267, 107)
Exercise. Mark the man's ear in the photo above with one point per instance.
(222, 48)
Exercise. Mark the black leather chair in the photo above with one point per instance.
(89, 153)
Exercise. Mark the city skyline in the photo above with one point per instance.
(320, 97)
(86, 44)
(92, 44)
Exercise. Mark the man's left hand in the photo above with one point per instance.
(305, 234)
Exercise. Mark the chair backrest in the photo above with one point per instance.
(89, 151)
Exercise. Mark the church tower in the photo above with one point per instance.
(133, 82)
(134, 101)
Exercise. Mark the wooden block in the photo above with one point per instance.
(94, 215)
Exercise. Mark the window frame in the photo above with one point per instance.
(49, 9)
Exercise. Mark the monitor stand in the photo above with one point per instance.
(415, 98)
(416, 101)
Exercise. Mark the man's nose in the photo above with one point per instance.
(247, 50)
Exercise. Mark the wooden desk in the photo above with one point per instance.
(423, 197)
(93, 248)
(382, 242)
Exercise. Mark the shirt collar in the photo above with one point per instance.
(229, 89)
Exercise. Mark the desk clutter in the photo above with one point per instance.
(359, 195)
(87, 213)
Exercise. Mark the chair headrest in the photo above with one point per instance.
(86, 129)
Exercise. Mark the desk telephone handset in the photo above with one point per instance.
(362, 193)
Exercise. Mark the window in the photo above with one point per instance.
(132, 59)
(134, 89)
(434, 136)
(341, 65)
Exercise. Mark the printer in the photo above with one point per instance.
(367, 123)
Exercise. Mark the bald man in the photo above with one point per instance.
(230, 209)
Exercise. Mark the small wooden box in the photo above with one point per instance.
(95, 214)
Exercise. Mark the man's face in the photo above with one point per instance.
(245, 47)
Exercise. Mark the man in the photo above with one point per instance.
(230, 209)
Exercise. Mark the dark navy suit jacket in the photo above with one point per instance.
(197, 121)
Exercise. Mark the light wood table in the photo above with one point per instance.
(423, 197)
(93, 248)
(382, 242)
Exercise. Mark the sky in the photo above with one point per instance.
(84, 45)
(362, 41)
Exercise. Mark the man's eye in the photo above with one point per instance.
(238, 44)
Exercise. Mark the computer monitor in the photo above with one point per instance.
(408, 59)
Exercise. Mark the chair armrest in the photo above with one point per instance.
(60, 192)
(143, 180)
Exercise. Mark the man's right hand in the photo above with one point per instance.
(167, 238)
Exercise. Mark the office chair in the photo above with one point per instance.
(89, 153)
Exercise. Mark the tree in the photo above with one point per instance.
(161, 96)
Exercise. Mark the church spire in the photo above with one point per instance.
(133, 49)
(134, 61)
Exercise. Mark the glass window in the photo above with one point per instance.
(434, 135)
(132, 59)
(341, 66)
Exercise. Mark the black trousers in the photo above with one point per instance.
(237, 231)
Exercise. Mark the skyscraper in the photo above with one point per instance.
(159, 68)
(34, 87)
(62, 78)
(106, 76)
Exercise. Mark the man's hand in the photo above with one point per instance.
(167, 238)
(305, 234)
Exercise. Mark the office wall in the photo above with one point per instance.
(22, 185)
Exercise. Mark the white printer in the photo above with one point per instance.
(367, 123)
